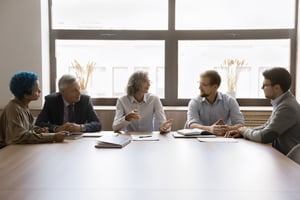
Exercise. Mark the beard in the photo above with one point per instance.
(203, 94)
(272, 97)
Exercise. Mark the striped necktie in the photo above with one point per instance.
(71, 113)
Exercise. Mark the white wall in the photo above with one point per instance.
(21, 44)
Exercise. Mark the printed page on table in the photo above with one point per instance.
(217, 139)
(144, 136)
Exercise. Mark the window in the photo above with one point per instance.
(174, 41)
(115, 61)
(234, 14)
(257, 55)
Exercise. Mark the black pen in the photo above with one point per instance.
(145, 136)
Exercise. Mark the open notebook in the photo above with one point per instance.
(113, 141)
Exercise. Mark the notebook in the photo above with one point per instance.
(113, 141)
(193, 132)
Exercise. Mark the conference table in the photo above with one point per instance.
(171, 168)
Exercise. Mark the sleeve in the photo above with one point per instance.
(236, 115)
(20, 131)
(159, 115)
(192, 113)
(119, 122)
(279, 123)
(93, 123)
(43, 119)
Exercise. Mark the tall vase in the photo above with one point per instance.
(231, 93)
(84, 91)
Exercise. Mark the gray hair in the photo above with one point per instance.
(65, 80)
(135, 82)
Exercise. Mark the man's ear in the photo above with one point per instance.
(216, 86)
(26, 96)
(277, 88)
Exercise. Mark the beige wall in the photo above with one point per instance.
(22, 33)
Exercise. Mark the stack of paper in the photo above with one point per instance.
(113, 141)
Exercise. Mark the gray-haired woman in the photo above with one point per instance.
(140, 110)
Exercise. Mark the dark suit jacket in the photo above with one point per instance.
(52, 114)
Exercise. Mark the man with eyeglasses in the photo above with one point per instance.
(213, 111)
(283, 127)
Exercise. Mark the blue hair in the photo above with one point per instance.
(22, 83)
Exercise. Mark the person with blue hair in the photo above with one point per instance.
(16, 121)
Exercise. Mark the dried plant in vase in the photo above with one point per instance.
(232, 67)
(83, 74)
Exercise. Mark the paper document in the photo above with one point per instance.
(92, 134)
(178, 135)
(217, 139)
(194, 131)
(145, 137)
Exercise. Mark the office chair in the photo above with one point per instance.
(294, 154)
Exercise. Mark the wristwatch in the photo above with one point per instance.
(82, 128)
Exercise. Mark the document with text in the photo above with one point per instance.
(217, 139)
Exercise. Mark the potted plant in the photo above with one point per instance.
(232, 68)
(83, 74)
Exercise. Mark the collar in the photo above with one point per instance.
(133, 100)
(66, 104)
(20, 103)
(276, 101)
(219, 98)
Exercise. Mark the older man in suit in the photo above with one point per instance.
(68, 110)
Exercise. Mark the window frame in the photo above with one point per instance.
(171, 38)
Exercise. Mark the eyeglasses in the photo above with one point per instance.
(148, 81)
(203, 84)
(265, 85)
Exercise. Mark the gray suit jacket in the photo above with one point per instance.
(282, 128)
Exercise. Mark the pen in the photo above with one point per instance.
(145, 136)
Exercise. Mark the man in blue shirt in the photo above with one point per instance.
(213, 111)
